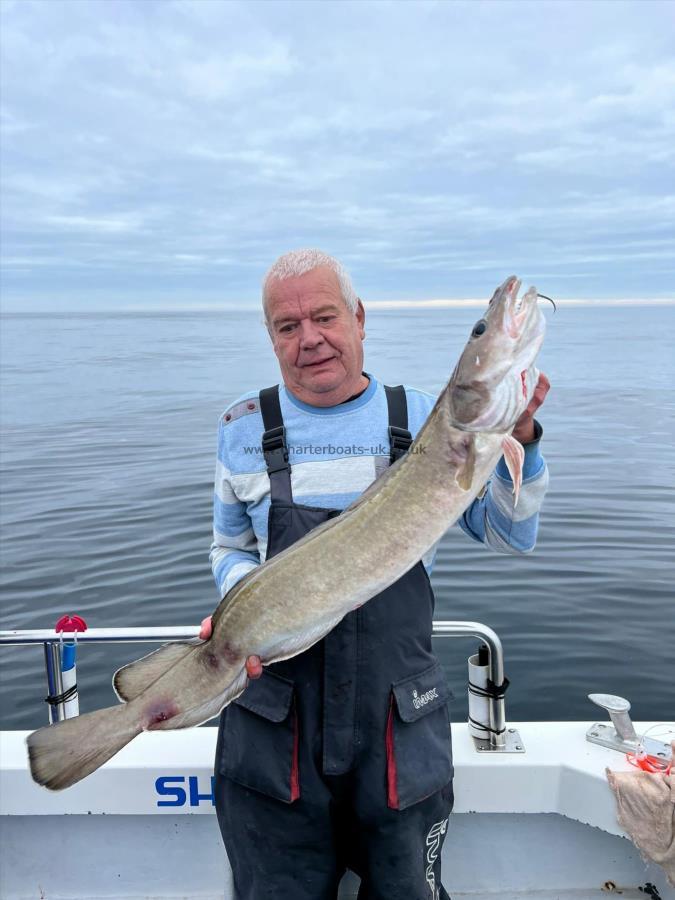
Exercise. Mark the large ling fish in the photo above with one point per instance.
(294, 599)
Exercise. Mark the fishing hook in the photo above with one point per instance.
(544, 297)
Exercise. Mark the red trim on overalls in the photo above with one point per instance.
(392, 790)
(295, 769)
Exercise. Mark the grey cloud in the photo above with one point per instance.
(174, 149)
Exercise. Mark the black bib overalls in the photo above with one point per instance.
(340, 757)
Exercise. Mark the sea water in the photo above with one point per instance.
(108, 452)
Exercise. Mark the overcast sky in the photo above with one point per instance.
(164, 153)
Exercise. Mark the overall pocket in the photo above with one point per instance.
(259, 746)
(419, 751)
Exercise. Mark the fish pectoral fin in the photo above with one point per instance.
(130, 681)
(463, 455)
(197, 715)
(514, 456)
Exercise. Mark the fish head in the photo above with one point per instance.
(496, 375)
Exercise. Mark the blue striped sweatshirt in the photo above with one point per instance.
(335, 454)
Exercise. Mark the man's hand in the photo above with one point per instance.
(253, 664)
(524, 428)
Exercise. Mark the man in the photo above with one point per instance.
(326, 762)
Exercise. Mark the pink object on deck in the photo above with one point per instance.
(646, 812)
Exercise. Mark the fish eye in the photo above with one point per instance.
(479, 328)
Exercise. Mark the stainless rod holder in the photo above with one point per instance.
(57, 711)
(500, 739)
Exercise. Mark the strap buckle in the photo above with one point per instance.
(400, 440)
(275, 450)
(274, 439)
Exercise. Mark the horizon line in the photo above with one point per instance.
(443, 302)
(430, 303)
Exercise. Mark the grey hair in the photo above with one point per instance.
(299, 262)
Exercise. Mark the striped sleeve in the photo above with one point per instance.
(234, 551)
(493, 519)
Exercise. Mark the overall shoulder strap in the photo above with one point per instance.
(399, 436)
(274, 447)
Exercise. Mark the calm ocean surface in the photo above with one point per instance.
(108, 452)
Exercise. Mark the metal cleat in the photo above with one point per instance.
(622, 736)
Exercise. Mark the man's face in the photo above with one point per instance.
(317, 339)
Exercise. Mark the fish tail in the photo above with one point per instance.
(64, 753)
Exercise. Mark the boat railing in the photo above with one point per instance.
(498, 736)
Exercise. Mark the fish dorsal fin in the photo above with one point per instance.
(130, 681)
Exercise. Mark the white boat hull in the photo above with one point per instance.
(536, 825)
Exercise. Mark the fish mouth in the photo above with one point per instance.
(516, 310)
